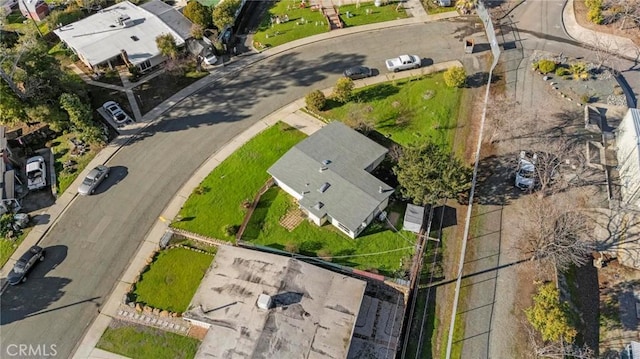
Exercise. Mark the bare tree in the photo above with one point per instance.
(623, 11)
(358, 117)
(616, 233)
(604, 51)
(557, 232)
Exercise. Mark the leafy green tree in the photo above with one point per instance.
(56, 118)
(225, 13)
(80, 116)
(39, 73)
(315, 100)
(550, 316)
(455, 76)
(11, 107)
(426, 172)
(343, 89)
(167, 46)
(198, 14)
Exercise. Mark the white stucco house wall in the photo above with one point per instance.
(628, 155)
(329, 175)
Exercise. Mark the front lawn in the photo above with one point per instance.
(378, 248)
(139, 342)
(406, 111)
(62, 152)
(172, 279)
(7, 246)
(368, 13)
(217, 202)
(302, 22)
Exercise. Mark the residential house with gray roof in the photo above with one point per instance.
(329, 175)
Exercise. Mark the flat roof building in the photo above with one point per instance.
(312, 311)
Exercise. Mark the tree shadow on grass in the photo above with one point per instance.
(378, 92)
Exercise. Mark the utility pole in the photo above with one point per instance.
(32, 19)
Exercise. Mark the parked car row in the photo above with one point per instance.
(402, 62)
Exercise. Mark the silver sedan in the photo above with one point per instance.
(93, 180)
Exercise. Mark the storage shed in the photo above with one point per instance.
(413, 217)
(628, 154)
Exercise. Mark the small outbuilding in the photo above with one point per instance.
(413, 218)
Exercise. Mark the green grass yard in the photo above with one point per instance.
(218, 200)
(139, 342)
(309, 239)
(368, 13)
(172, 279)
(7, 247)
(303, 22)
(406, 111)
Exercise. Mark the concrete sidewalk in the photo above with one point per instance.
(620, 45)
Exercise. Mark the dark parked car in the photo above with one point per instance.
(22, 267)
(93, 180)
(358, 72)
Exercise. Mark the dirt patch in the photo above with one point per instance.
(197, 332)
(614, 28)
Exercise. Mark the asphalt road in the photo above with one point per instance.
(95, 239)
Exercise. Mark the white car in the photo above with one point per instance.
(36, 173)
(210, 59)
(526, 171)
(403, 62)
(116, 113)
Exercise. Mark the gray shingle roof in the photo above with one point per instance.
(170, 16)
(353, 193)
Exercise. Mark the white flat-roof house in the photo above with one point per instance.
(628, 155)
(125, 30)
(329, 175)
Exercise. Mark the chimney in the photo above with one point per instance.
(379, 189)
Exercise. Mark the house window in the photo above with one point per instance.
(343, 228)
(145, 65)
(134, 38)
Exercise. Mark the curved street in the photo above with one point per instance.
(93, 241)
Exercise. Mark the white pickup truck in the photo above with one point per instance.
(403, 62)
(36, 173)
